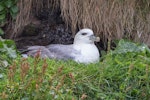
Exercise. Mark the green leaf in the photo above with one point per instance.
(1, 32)
(10, 51)
(8, 48)
(13, 15)
(4, 63)
(2, 17)
(1, 76)
(2, 22)
(15, 1)
(8, 3)
(4, 11)
(9, 43)
(127, 46)
(14, 9)
(1, 7)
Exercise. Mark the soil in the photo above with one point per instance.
(46, 28)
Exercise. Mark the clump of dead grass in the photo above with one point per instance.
(110, 20)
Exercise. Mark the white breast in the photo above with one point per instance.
(89, 53)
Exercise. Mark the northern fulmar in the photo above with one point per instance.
(83, 49)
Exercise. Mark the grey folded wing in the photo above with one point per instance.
(34, 50)
(55, 51)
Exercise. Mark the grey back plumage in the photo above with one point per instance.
(55, 51)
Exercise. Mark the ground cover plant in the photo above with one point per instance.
(7, 52)
(123, 73)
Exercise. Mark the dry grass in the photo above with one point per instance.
(110, 20)
(22, 19)
(27, 9)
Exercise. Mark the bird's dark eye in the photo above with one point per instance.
(84, 33)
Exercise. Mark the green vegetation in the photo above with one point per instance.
(8, 8)
(7, 52)
(121, 74)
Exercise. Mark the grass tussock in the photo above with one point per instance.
(122, 74)
(110, 20)
(23, 18)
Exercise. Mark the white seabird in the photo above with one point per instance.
(83, 49)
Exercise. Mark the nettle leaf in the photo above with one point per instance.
(10, 51)
(8, 48)
(1, 76)
(2, 22)
(10, 43)
(15, 1)
(2, 16)
(1, 44)
(127, 46)
(8, 3)
(1, 32)
(1, 7)
(14, 9)
(4, 11)
(13, 15)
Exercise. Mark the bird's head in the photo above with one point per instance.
(85, 36)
